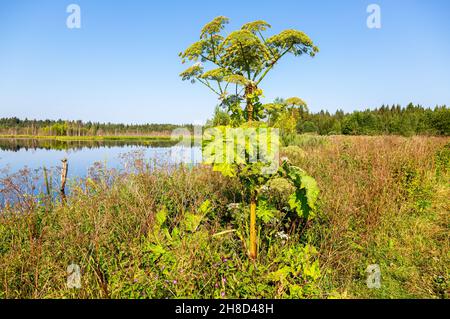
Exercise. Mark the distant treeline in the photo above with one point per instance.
(15, 126)
(395, 120)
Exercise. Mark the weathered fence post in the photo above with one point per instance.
(65, 168)
(47, 185)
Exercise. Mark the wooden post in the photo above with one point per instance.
(47, 184)
(65, 168)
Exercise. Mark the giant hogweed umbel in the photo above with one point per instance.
(238, 62)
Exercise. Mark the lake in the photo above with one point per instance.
(16, 154)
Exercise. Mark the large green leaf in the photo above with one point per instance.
(161, 217)
(192, 221)
(304, 199)
(312, 190)
(265, 212)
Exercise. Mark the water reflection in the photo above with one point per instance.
(17, 144)
(23, 161)
(16, 154)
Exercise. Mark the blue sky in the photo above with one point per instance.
(123, 64)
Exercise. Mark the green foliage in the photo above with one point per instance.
(162, 243)
(297, 42)
(360, 124)
(191, 73)
(240, 60)
(273, 111)
(289, 190)
(411, 120)
(295, 102)
(243, 51)
(215, 74)
(192, 221)
(303, 200)
(439, 120)
(14, 126)
(256, 26)
(281, 189)
(442, 160)
(265, 212)
(246, 51)
(161, 217)
(220, 118)
(234, 152)
(285, 114)
(214, 27)
(298, 272)
(306, 127)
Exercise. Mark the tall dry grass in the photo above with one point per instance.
(372, 190)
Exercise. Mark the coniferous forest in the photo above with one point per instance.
(385, 120)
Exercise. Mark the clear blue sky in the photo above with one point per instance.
(123, 65)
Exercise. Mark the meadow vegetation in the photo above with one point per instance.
(175, 232)
(231, 229)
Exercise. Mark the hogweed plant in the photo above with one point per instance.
(285, 113)
(233, 66)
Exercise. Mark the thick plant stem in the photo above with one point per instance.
(250, 89)
(253, 240)
(253, 253)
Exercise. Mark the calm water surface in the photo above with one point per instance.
(16, 154)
